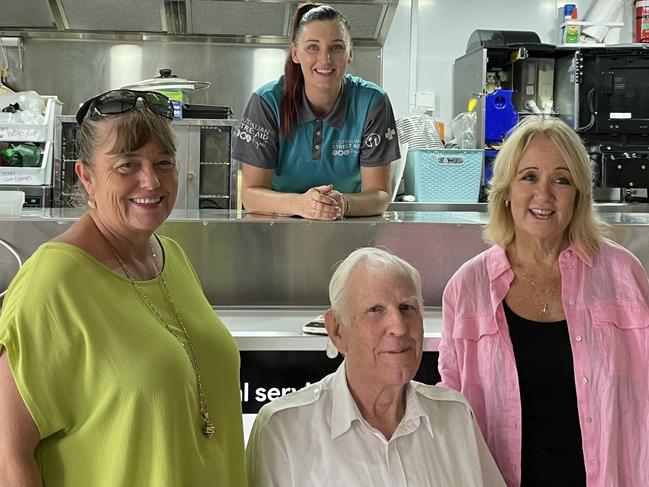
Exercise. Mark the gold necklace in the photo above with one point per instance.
(532, 285)
(208, 427)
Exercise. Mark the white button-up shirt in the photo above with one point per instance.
(316, 437)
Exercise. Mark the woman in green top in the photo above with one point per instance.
(114, 370)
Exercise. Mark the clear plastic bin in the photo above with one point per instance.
(22, 132)
(11, 203)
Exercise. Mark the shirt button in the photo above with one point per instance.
(318, 132)
(578, 338)
(594, 462)
(316, 390)
(317, 146)
(572, 301)
(584, 380)
(567, 254)
(569, 266)
(589, 419)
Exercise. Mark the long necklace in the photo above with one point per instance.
(208, 427)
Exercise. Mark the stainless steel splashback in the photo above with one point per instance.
(75, 69)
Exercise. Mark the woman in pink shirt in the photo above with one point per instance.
(547, 332)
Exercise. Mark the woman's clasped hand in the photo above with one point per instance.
(320, 203)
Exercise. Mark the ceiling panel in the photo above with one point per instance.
(30, 14)
(114, 15)
(239, 18)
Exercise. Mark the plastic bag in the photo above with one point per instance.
(463, 130)
(31, 108)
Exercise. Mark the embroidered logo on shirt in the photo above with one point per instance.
(250, 131)
(346, 147)
(372, 140)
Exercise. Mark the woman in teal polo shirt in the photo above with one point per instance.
(317, 143)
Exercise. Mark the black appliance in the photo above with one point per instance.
(613, 113)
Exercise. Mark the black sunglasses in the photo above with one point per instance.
(120, 101)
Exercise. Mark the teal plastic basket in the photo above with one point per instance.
(444, 175)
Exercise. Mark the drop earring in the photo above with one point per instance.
(506, 203)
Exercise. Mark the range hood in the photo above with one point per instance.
(244, 21)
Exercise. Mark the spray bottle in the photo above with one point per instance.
(571, 30)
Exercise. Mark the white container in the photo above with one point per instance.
(11, 203)
(22, 132)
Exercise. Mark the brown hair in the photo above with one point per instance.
(585, 230)
(132, 129)
(293, 77)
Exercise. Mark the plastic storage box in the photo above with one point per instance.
(11, 203)
(23, 132)
(444, 175)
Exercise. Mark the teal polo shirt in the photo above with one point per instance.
(359, 131)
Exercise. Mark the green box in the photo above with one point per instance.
(175, 95)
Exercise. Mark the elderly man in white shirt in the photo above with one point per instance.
(369, 423)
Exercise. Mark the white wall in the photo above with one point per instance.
(441, 31)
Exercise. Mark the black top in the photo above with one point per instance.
(552, 451)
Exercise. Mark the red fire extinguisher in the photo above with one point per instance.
(642, 21)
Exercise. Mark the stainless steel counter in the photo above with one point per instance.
(482, 207)
(251, 260)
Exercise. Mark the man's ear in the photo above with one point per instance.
(336, 331)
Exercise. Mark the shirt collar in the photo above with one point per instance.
(414, 414)
(498, 263)
(345, 411)
(580, 254)
(337, 116)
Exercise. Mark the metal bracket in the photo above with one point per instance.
(16, 42)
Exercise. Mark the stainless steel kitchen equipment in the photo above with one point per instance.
(599, 91)
(237, 46)
(232, 255)
(168, 81)
(257, 18)
(205, 173)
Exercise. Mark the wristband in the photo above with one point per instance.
(343, 198)
(345, 204)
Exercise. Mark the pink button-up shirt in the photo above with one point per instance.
(606, 302)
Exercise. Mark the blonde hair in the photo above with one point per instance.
(586, 230)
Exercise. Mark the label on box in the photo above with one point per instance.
(11, 176)
(22, 133)
(451, 160)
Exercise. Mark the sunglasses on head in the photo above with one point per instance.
(120, 101)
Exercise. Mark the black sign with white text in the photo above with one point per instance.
(267, 375)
